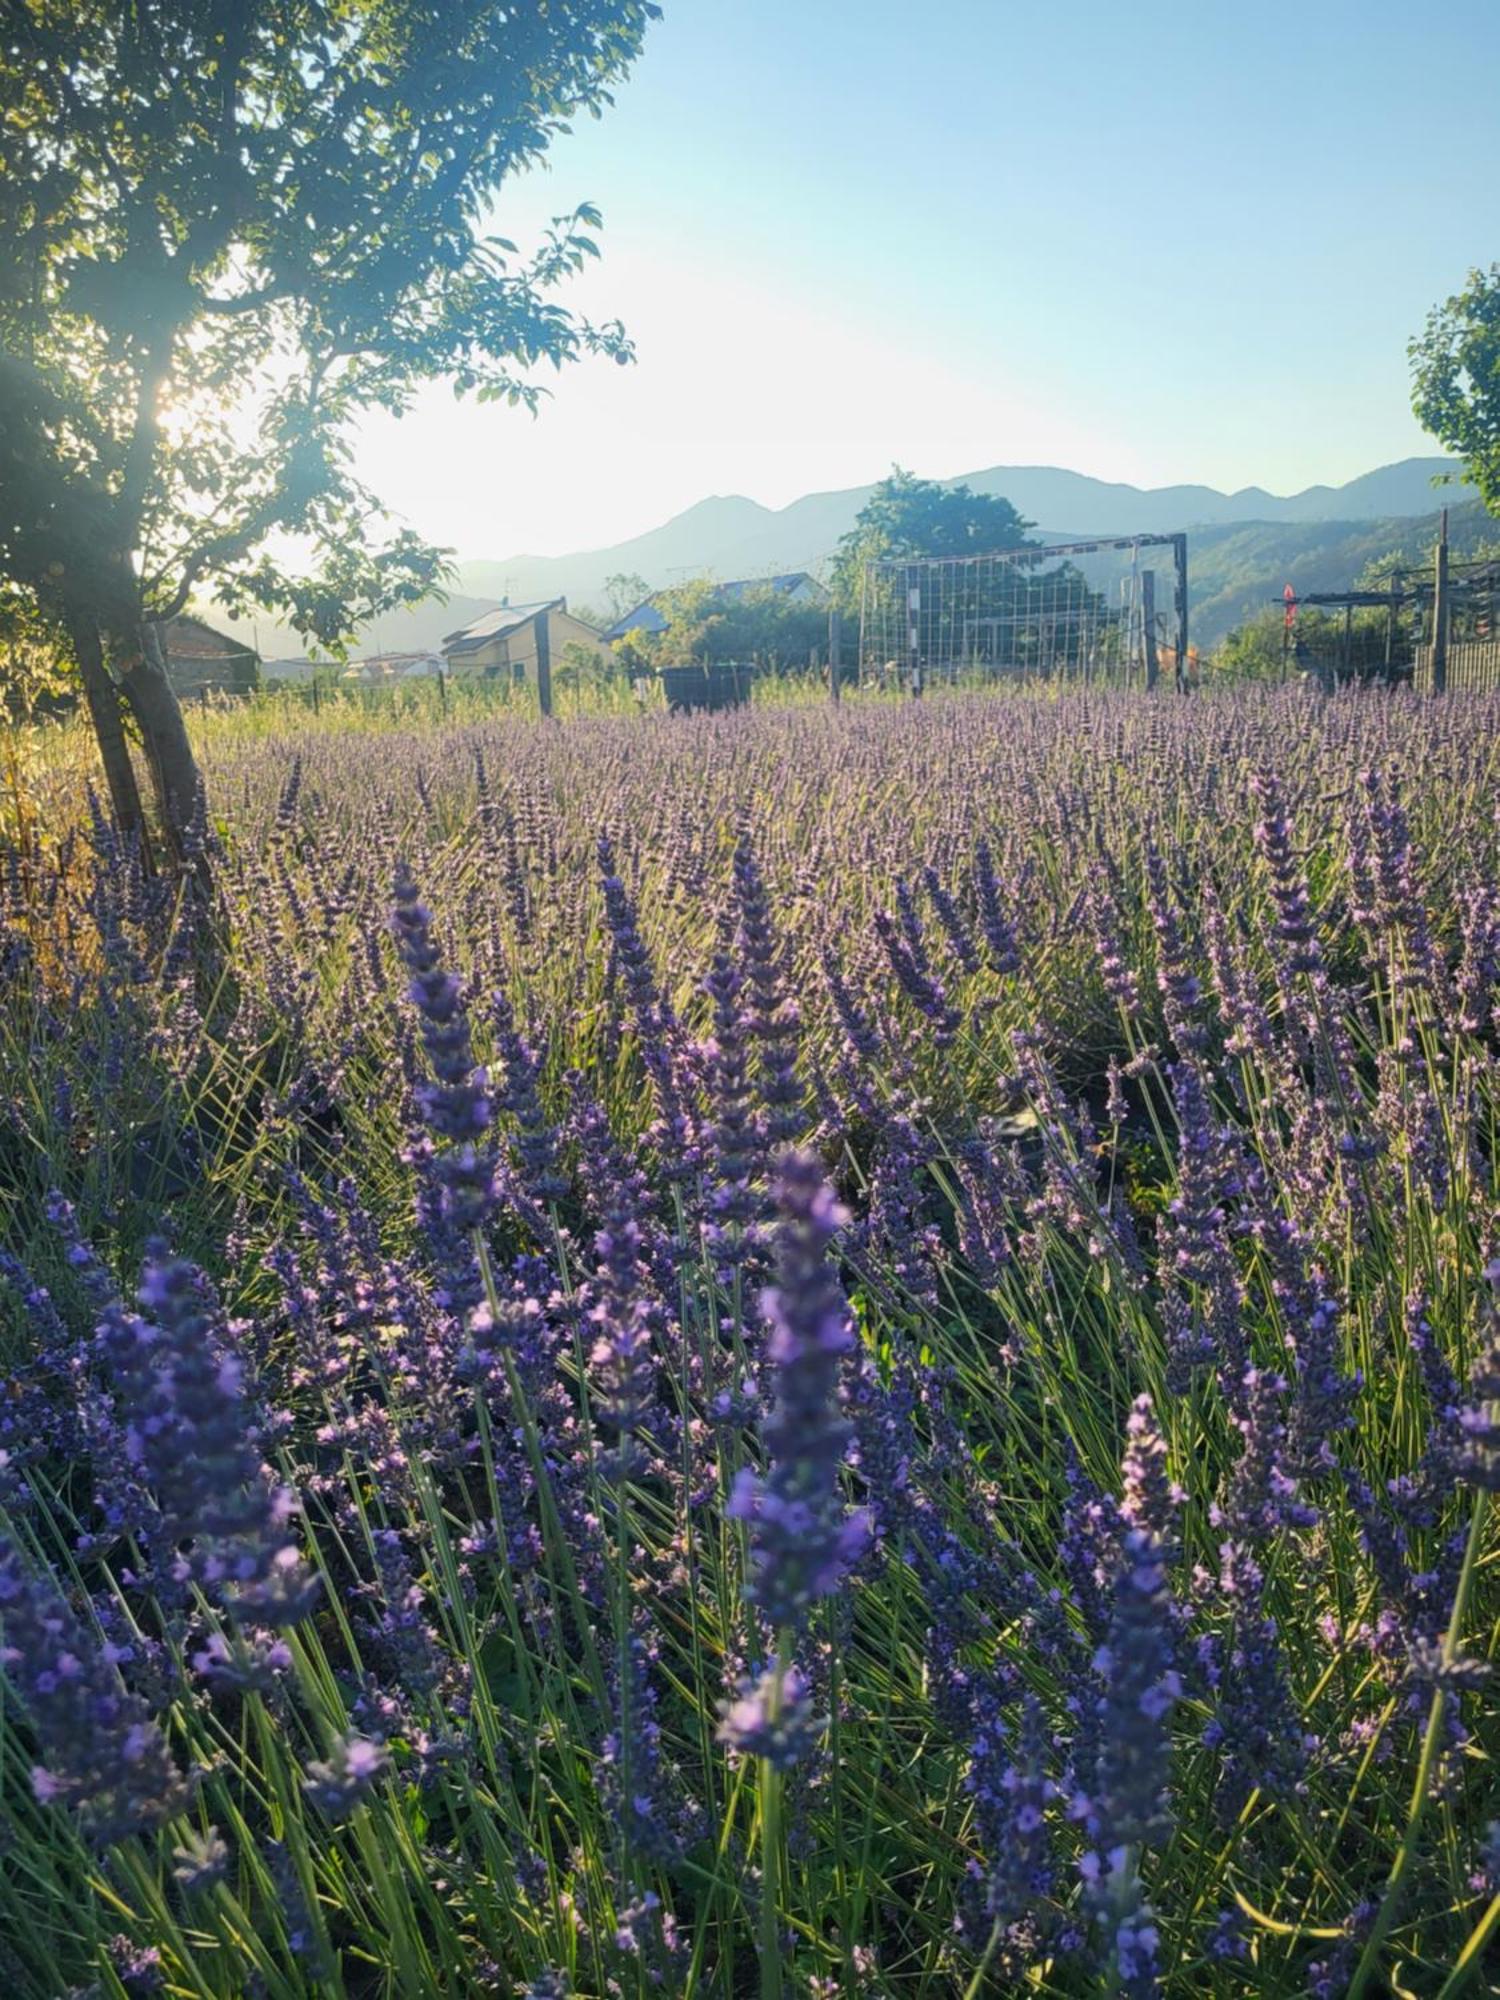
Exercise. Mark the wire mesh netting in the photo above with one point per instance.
(1109, 611)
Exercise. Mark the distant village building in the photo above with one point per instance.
(799, 585)
(294, 672)
(202, 661)
(383, 669)
(504, 641)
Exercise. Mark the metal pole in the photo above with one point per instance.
(835, 652)
(1148, 628)
(1179, 564)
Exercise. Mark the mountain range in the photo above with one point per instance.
(1243, 546)
(730, 536)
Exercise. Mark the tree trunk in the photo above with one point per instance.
(103, 698)
(174, 770)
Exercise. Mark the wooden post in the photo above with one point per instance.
(543, 663)
(835, 653)
(1390, 623)
(442, 690)
(1440, 610)
(1180, 592)
(1148, 627)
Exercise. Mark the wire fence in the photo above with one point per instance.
(1099, 611)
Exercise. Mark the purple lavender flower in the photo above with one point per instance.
(999, 934)
(102, 1754)
(346, 1777)
(194, 1437)
(1180, 989)
(775, 1021)
(655, 1820)
(625, 1320)
(138, 1967)
(803, 1540)
(960, 942)
(199, 1860)
(771, 1718)
(1479, 1417)
(656, 1025)
(1256, 1731)
(916, 977)
(1022, 1873)
(737, 1151)
(456, 1106)
(1126, 1810)
(1273, 837)
(537, 1138)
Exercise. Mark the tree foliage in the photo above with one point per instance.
(229, 228)
(758, 622)
(908, 516)
(1456, 379)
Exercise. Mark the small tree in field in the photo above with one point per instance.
(1456, 379)
(227, 229)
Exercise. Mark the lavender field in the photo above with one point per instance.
(821, 1352)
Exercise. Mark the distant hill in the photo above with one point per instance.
(730, 536)
(421, 628)
(1238, 569)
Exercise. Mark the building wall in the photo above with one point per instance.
(515, 652)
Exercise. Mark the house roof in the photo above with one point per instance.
(788, 580)
(191, 639)
(644, 618)
(495, 624)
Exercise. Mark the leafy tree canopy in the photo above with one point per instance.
(908, 516)
(624, 591)
(1456, 379)
(227, 229)
(759, 623)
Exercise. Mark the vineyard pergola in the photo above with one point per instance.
(1437, 629)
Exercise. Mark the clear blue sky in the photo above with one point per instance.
(1157, 242)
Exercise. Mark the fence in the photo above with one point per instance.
(1473, 666)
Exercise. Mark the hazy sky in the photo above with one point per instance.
(1177, 241)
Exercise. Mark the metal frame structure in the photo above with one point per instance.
(1026, 612)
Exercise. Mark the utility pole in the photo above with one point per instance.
(543, 662)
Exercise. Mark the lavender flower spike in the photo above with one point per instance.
(456, 1107)
(193, 1433)
(101, 1752)
(804, 1541)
